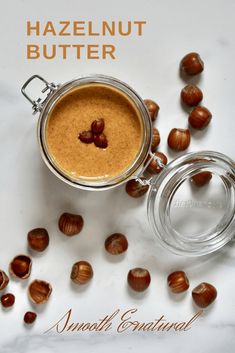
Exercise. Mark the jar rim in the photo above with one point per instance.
(163, 189)
(146, 139)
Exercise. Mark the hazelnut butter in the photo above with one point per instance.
(74, 112)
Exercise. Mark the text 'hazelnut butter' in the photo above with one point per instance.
(74, 113)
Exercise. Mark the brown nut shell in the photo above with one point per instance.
(20, 266)
(191, 95)
(82, 272)
(139, 279)
(154, 166)
(135, 189)
(199, 117)
(39, 291)
(116, 244)
(4, 280)
(38, 239)
(204, 294)
(178, 282)
(192, 64)
(156, 139)
(179, 139)
(202, 178)
(153, 108)
(70, 224)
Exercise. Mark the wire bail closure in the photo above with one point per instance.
(149, 181)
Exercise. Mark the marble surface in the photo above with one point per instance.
(32, 197)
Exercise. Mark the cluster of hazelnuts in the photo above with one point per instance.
(178, 138)
(95, 134)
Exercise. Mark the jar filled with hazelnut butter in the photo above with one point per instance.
(95, 133)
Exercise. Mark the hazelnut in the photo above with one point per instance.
(70, 224)
(139, 279)
(192, 64)
(116, 244)
(178, 282)
(101, 141)
(179, 139)
(97, 126)
(204, 294)
(30, 317)
(202, 178)
(81, 273)
(135, 189)
(199, 117)
(156, 139)
(153, 108)
(4, 280)
(191, 95)
(38, 239)
(20, 266)
(86, 136)
(154, 167)
(39, 291)
(7, 300)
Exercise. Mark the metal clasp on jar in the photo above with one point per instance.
(141, 178)
(38, 104)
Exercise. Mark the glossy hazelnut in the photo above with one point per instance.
(29, 317)
(97, 126)
(202, 178)
(192, 64)
(199, 117)
(4, 280)
(178, 282)
(179, 139)
(135, 189)
(191, 95)
(116, 244)
(38, 239)
(39, 291)
(154, 166)
(70, 224)
(82, 272)
(7, 300)
(204, 294)
(139, 279)
(153, 108)
(101, 141)
(156, 139)
(86, 136)
(20, 266)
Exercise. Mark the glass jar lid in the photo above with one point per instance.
(191, 204)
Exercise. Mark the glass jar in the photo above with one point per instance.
(187, 217)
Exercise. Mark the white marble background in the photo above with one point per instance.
(32, 197)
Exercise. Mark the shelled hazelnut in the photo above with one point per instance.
(86, 136)
(101, 141)
(192, 64)
(82, 272)
(139, 279)
(116, 244)
(154, 167)
(70, 224)
(199, 117)
(97, 126)
(178, 282)
(135, 189)
(179, 139)
(4, 280)
(204, 294)
(153, 108)
(38, 239)
(39, 291)
(7, 300)
(156, 139)
(191, 95)
(29, 317)
(20, 266)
